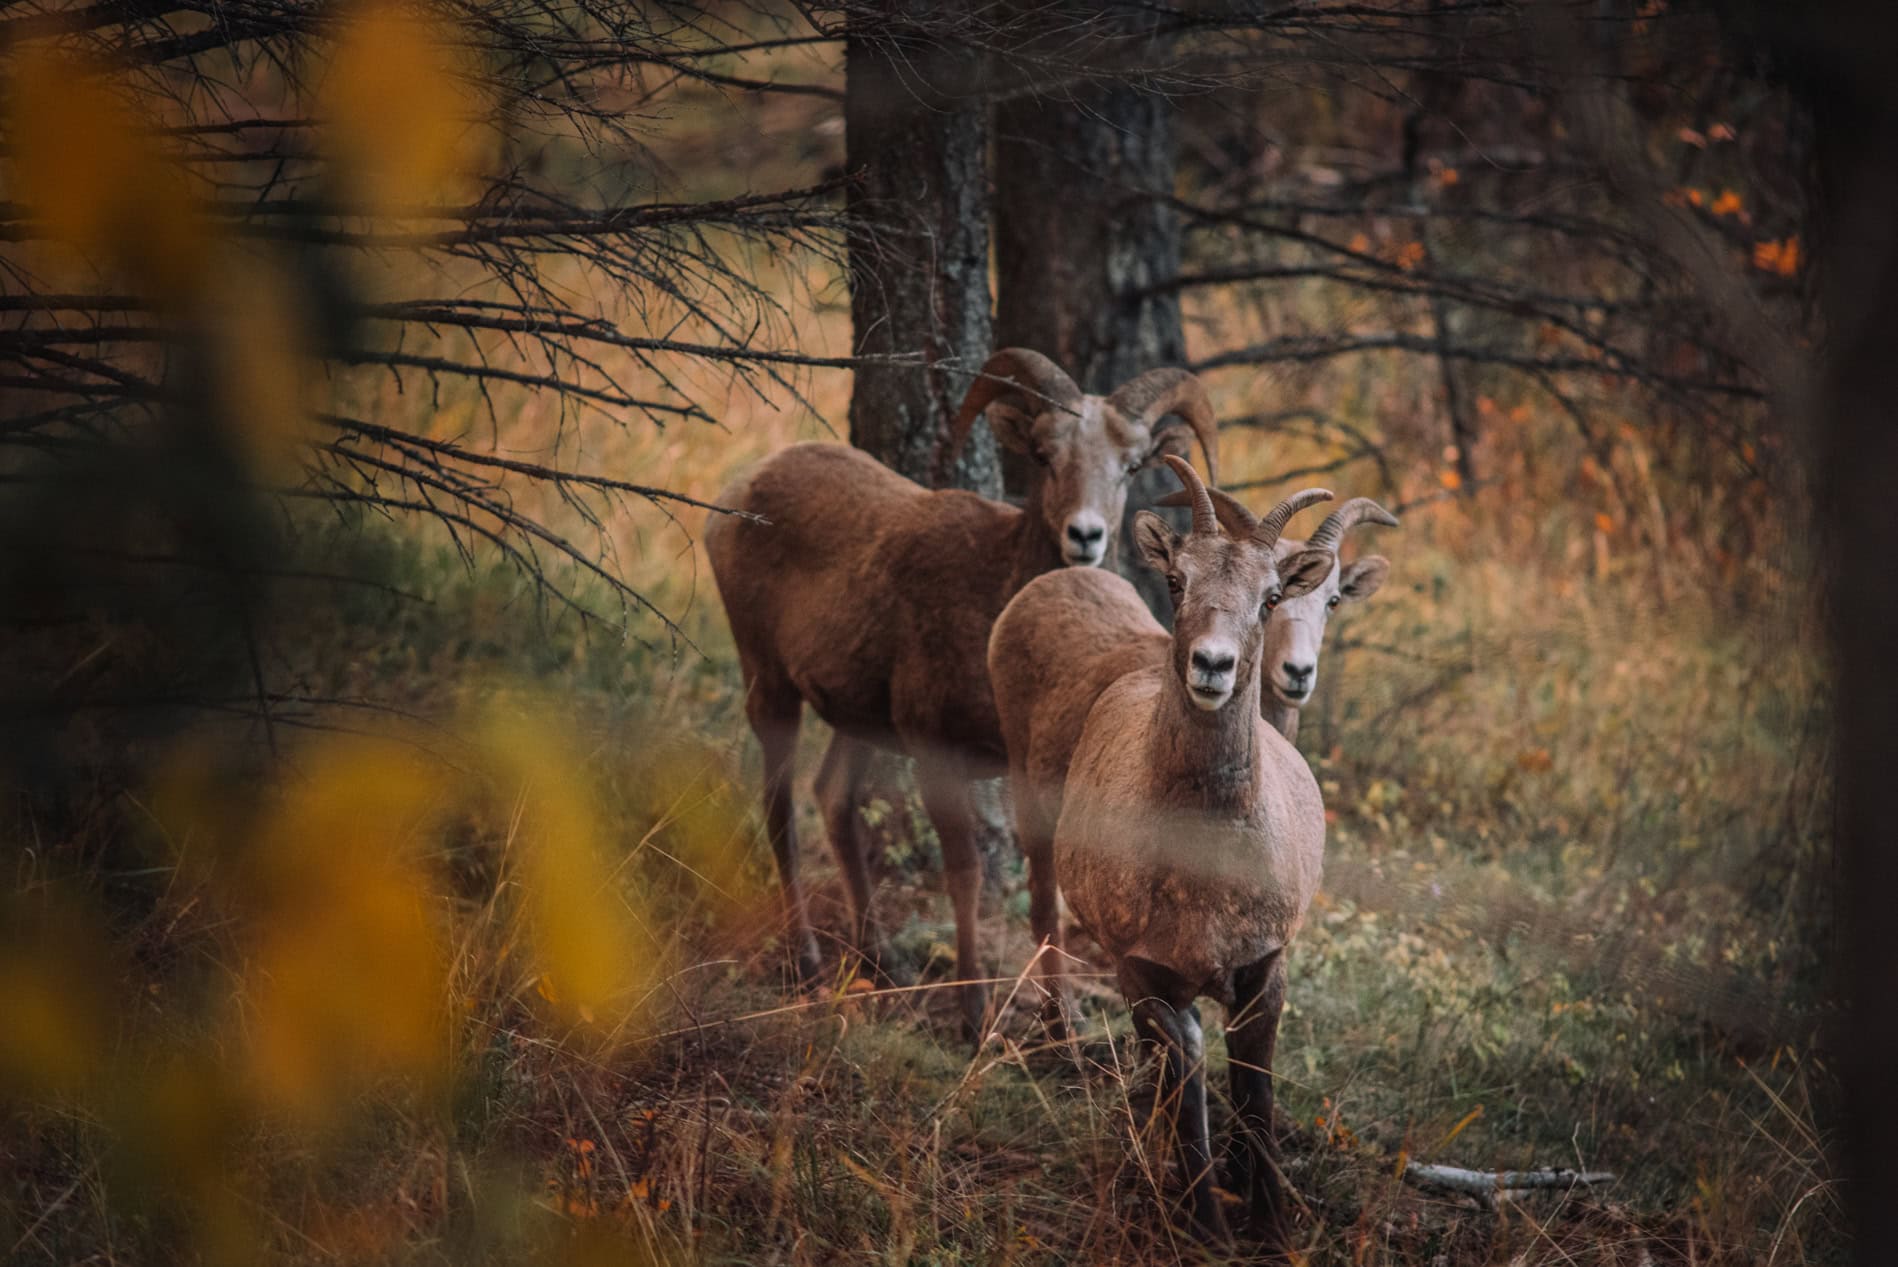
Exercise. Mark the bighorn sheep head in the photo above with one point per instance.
(1226, 583)
(1297, 632)
(1088, 447)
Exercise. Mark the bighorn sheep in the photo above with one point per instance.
(1297, 630)
(871, 598)
(1068, 636)
(1191, 837)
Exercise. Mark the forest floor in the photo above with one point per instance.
(1551, 934)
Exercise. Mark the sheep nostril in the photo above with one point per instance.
(1085, 536)
(1217, 665)
(1297, 673)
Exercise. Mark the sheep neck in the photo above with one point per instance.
(1029, 546)
(1280, 716)
(1208, 759)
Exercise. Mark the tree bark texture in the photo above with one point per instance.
(1078, 235)
(916, 144)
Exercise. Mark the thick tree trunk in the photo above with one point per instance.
(1857, 416)
(916, 141)
(919, 247)
(1079, 235)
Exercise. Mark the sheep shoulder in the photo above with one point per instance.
(1204, 869)
(1063, 640)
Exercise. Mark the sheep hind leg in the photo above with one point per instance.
(775, 717)
(839, 787)
(1251, 1039)
(1165, 1016)
(945, 789)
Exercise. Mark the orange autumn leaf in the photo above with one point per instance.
(1450, 480)
(1409, 255)
(1777, 257)
(1688, 136)
(1727, 204)
(1720, 132)
(1359, 243)
(1695, 197)
(1603, 522)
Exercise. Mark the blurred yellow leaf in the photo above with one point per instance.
(52, 995)
(594, 959)
(265, 371)
(399, 101)
(349, 979)
(98, 181)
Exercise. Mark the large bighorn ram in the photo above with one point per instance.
(1068, 636)
(1191, 837)
(871, 598)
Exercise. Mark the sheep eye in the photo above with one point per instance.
(1272, 600)
(1333, 601)
(1174, 585)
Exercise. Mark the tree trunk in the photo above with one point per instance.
(1079, 235)
(1857, 434)
(916, 142)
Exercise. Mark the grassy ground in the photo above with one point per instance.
(1560, 927)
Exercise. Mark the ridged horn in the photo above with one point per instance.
(1238, 522)
(1273, 525)
(1205, 519)
(1022, 371)
(1348, 516)
(1147, 398)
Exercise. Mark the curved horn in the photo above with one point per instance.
(1147, 398)
(1238, 522)
(1340, 521)
(1205, 519)
(1270, 527)
(1021, 370)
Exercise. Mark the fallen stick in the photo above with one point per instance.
(1494, 1184)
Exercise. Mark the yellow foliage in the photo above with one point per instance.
(594, 960)
(55, 1031)
(265, 372)
(349, 978)
(97, 180)
(398, 99)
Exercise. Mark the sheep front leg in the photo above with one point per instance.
(1165, 1016)
(945, 788)
(1251, 1039)
(1036, 834)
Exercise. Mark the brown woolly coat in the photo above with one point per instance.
(875, 606)
(1191, 840)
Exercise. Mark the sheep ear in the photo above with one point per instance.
(1013, 429)
(1362, 579)
(1306, 571)
(1155, 540)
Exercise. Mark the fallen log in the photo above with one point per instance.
(1494, 1185)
